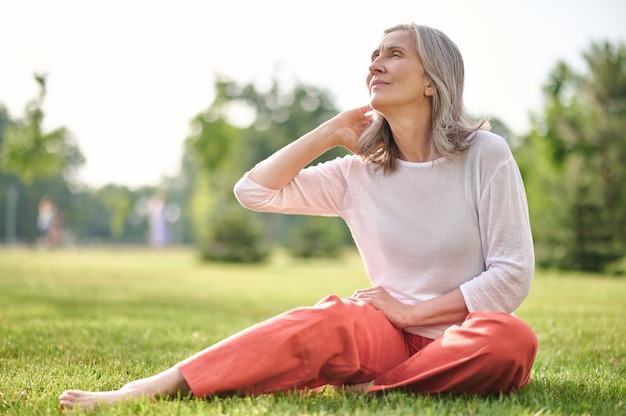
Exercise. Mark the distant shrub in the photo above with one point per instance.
(317, 237)
(234, 237)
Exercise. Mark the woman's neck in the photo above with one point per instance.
(412, 136)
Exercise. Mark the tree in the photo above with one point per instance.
(118, 202)
(221, 232)
(315, 237)
(281, 117)
(222, 151)
(34, 155)
(573, 163)
(8, 199)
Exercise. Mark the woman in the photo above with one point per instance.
(437, 209)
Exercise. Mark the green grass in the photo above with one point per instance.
(97, 318)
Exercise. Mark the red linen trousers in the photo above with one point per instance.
(347, 341)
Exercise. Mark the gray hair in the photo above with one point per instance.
(444, 68)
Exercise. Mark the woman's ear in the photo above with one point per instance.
(429, 90)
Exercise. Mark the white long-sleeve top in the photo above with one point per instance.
(426, 228)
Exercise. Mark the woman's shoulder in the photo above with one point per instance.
(486, 144)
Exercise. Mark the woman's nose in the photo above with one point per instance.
(376, 67)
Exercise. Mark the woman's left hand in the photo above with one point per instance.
(398, 313)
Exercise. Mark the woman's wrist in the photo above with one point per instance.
(411, 315)
(327, 136)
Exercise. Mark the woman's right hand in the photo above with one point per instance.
(347, 126)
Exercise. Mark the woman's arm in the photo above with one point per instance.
(342, 130)
(449, 307)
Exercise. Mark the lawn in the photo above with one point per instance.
(95, 319)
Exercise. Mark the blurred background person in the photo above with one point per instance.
(157, 221)
(48, 221)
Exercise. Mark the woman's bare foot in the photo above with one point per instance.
(70, 399)
(359, 388)
(167, 383)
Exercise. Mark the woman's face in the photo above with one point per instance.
(396, 76)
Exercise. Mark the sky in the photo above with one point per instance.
(127, 76)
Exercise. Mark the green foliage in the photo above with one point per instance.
(573, 167)
(317, 237)
(34, 157)
(212, 145)
(220, 153)
(97, 319)
(280, 117)
(110, 214)
(32, 154)
(234, 237)
(117, 200)
(5, 122)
